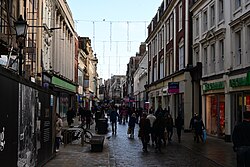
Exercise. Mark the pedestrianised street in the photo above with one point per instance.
(120, 151)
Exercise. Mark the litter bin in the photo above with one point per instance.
(102, 126)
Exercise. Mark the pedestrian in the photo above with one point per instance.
(191, 125)
(143, 133)
(113, 118)
(70, 116)
(82, 115)
(159, 128)
(59, 125)
(178, 125)
(241, 141)
(88, 118)
(169, 127)
(152, 119)
(198, 128)
(131, 125)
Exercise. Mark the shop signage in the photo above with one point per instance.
(243, 81)
(173, 87)
(213, 86)
(63, 84)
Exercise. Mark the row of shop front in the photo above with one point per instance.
(220, 100)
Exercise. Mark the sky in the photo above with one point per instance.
(116, 29)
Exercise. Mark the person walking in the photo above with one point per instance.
(70, 116)
(178, 125)
(88, 118)
(144, 126)
(192, 123)
(131, 125)
(169, 127)
(198, 128)
(159, 128)
(113, 118)
(59, 125)
(152, 119)
(241, 141)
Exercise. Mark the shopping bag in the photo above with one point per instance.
(129, 131)
(204, 135)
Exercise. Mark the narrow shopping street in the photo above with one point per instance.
(121, 151)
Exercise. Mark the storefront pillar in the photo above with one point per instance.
(228, 128)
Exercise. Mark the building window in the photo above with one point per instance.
(167, 32)
(248, 44)
(221, 10)
(171, 27)
(181, 57)
(167, 65)
(237, 4)
(204, 21)
(212, 66)
(149, 50)
(197, 27)
(221, 55)
(212, 15)
(171, 63)
(205, 61)
(238, 49)
(180, 16)
(155, 71)
(161, 67)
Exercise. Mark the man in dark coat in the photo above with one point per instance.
(144, 131)
(241, 141)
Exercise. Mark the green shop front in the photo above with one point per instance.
(215, 108)
(240, 97)
(66, 94)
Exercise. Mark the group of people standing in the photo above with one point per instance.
(157, 127)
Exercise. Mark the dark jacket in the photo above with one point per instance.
(131, 122)
(113, 115)
(241, 134)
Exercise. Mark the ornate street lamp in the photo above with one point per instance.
(21, 31)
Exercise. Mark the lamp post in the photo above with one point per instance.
(21, 30)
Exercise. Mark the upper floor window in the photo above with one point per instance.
(237, 4)
(171, 28)
(181, 57)
(167, 32)
(180, 16)
(155, 71)
(221, 55)
(212, 15)
(221, 10)
(248, 44)
(204, 18)
(161, 67)
(212, 66)
(238, 48)
(205, 61)
(197, 26)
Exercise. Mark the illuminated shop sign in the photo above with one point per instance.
(173, 87)
(213, 86)
(243, 81)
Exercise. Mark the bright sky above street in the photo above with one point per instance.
(116, 29)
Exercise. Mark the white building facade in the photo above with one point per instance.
(221, 32)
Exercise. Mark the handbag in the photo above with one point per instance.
(204, 135)
(129, 131)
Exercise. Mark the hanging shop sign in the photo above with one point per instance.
(173, 87)
(213, 86)
(243, 81)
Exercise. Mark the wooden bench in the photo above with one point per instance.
(97, 143)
